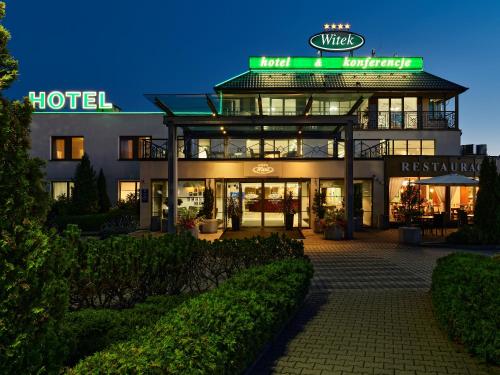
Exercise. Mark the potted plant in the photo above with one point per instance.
(189, 220)
(411, 208)
(334, 224)
(358, 207)
(319, 210)
(234, 212)
(209, 224)
(288, 210)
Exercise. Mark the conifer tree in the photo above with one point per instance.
(85, 198)
(487, 202)
(104, 202)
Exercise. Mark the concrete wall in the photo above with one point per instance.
(315, 170)
(101, 134)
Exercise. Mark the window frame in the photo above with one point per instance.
(137, 188)
(135, 146)
(68, 147)
(68, 187)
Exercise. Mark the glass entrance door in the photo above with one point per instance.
(274, 193)
(251, 197)
(262, 202)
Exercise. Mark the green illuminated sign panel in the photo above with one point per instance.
(345, 63)
(56, 100)
(336, 41)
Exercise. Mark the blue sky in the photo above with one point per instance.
(128, 48)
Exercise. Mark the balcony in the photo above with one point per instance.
(421, 120)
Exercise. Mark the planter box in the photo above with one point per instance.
(209, 226)
(410, 235)
(317, 226)
(335, 232)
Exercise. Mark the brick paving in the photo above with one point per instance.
(368, 312)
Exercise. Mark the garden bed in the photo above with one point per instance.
(220, 331)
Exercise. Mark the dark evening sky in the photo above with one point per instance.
(128, 48)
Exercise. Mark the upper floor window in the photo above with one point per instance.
(397, 113)
(279, 106)
(67, 148)
(134, 147)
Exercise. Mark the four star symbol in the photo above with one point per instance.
(339, 26)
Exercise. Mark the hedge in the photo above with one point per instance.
(466, 300)
(219, 332)
(122, 270)
(90, 330)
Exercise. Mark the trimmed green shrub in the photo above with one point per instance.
(87, 331)
(122, 270)
(466, 300)
(219, 332)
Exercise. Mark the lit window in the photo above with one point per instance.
(414, 147)
(132, 148)
(400, 147)
(61, 189)
(428, 147)
(67, 148)
(59, 149)
(127, 189)
(77, 147)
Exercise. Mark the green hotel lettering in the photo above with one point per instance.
(275, 62)
(369, 63)
(90, 100)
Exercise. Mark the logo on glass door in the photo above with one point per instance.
(263, 168)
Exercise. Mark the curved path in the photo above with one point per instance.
(368, 312)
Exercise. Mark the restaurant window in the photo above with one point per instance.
(128, 189)
(134, 147)
(334, 193)
(428, 147)
(67, 148)
(62, 189)
(433, 197)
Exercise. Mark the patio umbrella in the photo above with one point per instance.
(449, 180)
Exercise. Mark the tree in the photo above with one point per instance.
(102, 193)
(487, 202)
(85, 197)
(33, 285)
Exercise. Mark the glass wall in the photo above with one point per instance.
(433, 197)
(189, 194)
(334, 192)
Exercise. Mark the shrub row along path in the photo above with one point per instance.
(368, 312)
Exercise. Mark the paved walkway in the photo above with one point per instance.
(368, 312)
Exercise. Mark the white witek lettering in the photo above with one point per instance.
(327, 39)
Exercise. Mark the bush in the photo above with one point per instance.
(108, 222)
(219, 332)
(33, 299)
(87, 331)
(123, 270)
(466, 301)
(466, 235)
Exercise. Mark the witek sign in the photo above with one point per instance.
(56, 100)
(336, 41)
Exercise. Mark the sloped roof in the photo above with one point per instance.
(414, 81)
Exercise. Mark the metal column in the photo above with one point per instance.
(349, 180)
(172, 176)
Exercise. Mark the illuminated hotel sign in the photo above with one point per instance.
(56, 100)
(345, 63)
(336, 38)
(336, 41)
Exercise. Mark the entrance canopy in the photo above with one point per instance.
(449, 180)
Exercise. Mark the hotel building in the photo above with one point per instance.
(357, 128)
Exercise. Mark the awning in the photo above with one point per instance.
(449, 180)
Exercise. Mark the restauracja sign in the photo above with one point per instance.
(86, 100)
(440, 166)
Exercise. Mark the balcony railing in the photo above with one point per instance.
(440, 120)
